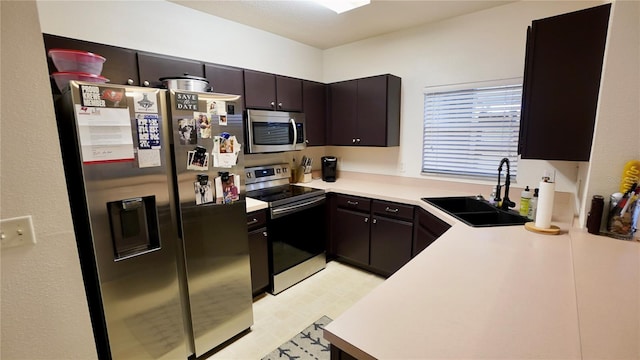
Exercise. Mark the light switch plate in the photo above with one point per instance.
(17, 231)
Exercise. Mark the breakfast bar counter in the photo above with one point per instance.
(497, 292)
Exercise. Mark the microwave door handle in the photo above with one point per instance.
(295, 133)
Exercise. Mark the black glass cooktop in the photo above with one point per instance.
(278, 194)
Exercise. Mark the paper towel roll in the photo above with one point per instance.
(545, 204)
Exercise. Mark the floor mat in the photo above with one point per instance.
(308, 344)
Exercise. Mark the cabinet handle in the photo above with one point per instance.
(273, 104)
(145, 83)
(306, 141)
(366, 219)
(280, 105)
(353, 140)
(388, 209)
(349, 202)
(358, 140)
(264, 233)
(254, 221)
(375, 221)
(130, 81)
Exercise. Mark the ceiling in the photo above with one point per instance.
(311, 24)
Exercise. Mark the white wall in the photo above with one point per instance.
(617, 129)
(485, 45)
(43, 305)
(167, 28)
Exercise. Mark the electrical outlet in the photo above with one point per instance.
(17, 231)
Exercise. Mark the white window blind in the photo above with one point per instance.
(469, 129)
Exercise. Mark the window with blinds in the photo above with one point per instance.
(469, 128)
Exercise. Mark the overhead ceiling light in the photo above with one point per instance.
(340, 6)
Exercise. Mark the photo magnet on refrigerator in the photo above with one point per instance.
(198, 159)
(187, 131)
(203, 190)
(225, 150)
(227, 186)
(203, 122)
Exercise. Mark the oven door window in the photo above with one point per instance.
(297, 237)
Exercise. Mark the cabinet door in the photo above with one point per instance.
(121, 66)
(422, 238)
(225, 79)
(314, 106)
(390, 244)
(372, 111)
(351, 235)
(288, 94)
(561, 83)
(344, 109)
(427, 229)
(152, 67)
(259, 259)
(259, 90)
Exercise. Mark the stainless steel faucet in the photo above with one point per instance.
(506, 203)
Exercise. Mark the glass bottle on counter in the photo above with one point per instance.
(533, 205)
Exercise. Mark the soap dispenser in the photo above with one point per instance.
(525, 198)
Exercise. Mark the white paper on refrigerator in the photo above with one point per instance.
(105, 134)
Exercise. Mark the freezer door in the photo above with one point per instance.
(208, 136)
(218, 273)
(125, 218)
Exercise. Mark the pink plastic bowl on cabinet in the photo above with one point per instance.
(63, 78)
(67, 60)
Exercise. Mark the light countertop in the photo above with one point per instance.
(255, 205)
(501, 292)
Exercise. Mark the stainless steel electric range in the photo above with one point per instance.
(296, 227)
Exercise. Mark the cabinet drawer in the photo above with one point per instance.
(395, 210)
(257, 219)
(430, 222)
(353, 203)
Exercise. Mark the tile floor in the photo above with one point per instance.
(279, 318)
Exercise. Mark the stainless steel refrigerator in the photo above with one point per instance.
(155, 184)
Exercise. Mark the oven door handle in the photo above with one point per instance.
(295, 133)
(286, 210)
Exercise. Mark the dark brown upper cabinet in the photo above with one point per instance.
(563, 65)
(121, 66)
(153, 67)
(272, 92)
(225, 79)
(343, 102)
(365, 112)
(314, 105)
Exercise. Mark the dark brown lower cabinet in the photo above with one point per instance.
(427, 228)
(337, 354)
(390, 244)
(258, 251)
(372, 234)
(351, 234)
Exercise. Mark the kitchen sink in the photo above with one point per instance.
(475, 212)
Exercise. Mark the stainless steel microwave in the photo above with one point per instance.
(275, 131)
